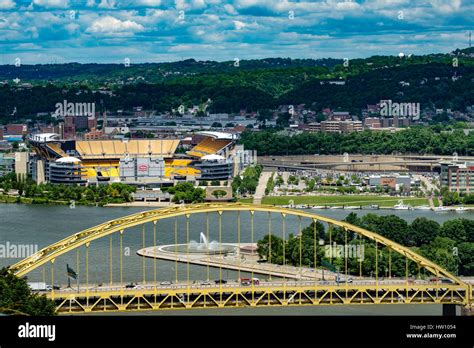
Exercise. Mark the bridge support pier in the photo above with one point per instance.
(449, 310)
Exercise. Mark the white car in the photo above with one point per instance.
(166, 283)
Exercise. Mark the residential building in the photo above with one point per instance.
(7, 164)
(94, 134)
(5, 146)
(16, 129)
(372, 122)
(341, 126)
(350, 126)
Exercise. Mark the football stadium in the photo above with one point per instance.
(141, 161)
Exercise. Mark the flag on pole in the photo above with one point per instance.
(70, 272)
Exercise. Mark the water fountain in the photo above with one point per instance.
(203, 247)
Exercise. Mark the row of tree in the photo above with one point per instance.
(44, 193)
(413, 140)
(454, 197)
(450, 245)
(185, 192)
(247, 183)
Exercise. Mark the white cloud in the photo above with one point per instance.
(7, 4)
(112, 25)
(71, 27)
(150, 3)
(198, 4)
(109, 4)
(251, 3)
(230, 9)
(384, 4)
(180, 4)
(51, 3)
(239, 25)
(446, 6)
(26, 47)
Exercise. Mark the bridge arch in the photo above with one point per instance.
(86, 236)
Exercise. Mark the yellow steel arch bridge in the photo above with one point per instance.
(284, 290)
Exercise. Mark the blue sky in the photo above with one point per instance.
(110, 31)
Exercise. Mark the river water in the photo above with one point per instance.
(42, 225)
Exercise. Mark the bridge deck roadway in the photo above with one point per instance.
(246, 263)
(234, 294)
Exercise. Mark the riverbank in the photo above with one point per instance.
(142, 204)
(340, 200)
(45, 201)
(299, 202)
(27, 200)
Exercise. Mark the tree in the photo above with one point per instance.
(283, 120)
(264, 115)
(423, 231)
(219, 193)
(466, 259)
(279, 180)
(310, 185)
(270, 243)
(469, 229)
(353, 219)
(440, 251)
(270, 185)
(17, 298)
(454, 229)
(186, 192)
(390, 226)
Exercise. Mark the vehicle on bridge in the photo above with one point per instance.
(37, 286)
(42, 286)
(340, 279)
(248, 281)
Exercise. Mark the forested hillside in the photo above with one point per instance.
(434, 81)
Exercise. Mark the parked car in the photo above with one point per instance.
(166, 283)
(220, 281)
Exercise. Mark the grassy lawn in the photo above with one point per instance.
(342, 200)
(246, 200)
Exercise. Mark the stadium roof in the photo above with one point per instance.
(218, 135)
(212, 157)
(115, 149)
(68, 160)
(44, 137)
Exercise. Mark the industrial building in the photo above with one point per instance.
(394, 182)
